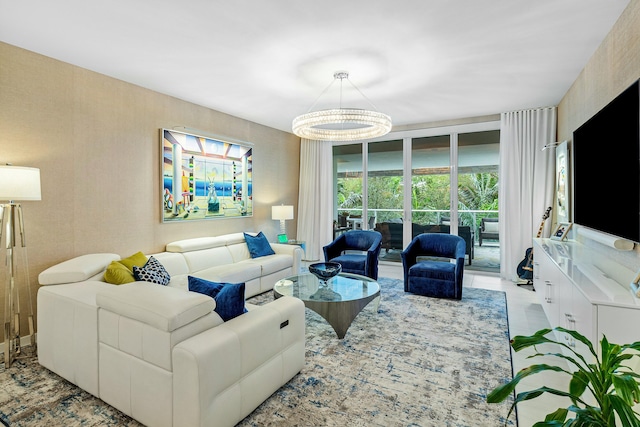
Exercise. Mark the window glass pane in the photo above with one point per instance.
(430, 181)
(478, 157)
(385, 183)
(347, 161)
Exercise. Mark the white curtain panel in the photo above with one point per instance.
(315, 202)
(526, 182)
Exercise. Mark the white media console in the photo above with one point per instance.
(580, 289)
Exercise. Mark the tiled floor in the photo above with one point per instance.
(525, 317)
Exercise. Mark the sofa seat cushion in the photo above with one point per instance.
(81, 268)
(271, 263)
(162, 307)
(231, 273)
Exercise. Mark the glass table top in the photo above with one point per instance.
(343, 287)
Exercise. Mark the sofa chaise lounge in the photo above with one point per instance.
(161, 354)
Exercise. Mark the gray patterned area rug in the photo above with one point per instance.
(417, 361)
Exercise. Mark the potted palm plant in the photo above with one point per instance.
(612, 384)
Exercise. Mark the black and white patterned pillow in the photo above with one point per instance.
(152, 272)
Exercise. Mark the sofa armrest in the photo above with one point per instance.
(294, 250)
(221, 375)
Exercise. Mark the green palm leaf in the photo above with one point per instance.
(614, 386)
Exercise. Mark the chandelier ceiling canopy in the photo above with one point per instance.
(341, 124)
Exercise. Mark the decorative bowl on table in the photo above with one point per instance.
(325, 270)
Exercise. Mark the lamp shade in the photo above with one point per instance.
(282, 212)
(19, 183)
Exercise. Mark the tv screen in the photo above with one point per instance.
(606, 161)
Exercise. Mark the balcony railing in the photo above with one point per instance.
(423, 216)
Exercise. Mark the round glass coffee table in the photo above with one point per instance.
(339, 302)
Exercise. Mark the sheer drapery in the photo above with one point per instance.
(315, 200)
(526, 181)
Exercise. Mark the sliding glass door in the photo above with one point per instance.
(348, 184)
(478, 158)
(372, 192)
(430, 180)
(385, 195)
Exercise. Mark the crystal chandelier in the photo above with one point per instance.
(342, 124)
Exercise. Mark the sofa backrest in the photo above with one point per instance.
(205, 252)
(199, 243)
(180, 258)
(81, 268)
(174, 263)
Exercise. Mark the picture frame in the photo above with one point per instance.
(204, 177)
(563, 187)
(561, 231)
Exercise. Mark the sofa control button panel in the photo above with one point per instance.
(284, 324)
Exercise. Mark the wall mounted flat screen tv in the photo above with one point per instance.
(606, 168)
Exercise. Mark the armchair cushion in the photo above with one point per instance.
(491, 227)
(350, 262)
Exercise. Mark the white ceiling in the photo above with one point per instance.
(268, 61)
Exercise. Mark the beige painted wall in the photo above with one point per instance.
(96, 141)
(613, 67)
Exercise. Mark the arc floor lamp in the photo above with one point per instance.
(16, 184)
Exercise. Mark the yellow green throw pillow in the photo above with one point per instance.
(118, 274)
(138, 259)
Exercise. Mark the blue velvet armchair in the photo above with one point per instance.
(347, 250)
(435, 276)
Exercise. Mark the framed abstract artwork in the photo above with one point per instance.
(204, 178)
(562, 183)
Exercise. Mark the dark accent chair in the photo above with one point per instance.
(488, 231)
(356, 251)
(427, 267)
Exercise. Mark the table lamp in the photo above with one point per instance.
(282, 213)
(16, 184)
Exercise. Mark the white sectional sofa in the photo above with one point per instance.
(161, 354)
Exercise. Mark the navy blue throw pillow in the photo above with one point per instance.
(229, 297)
(258, 245)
